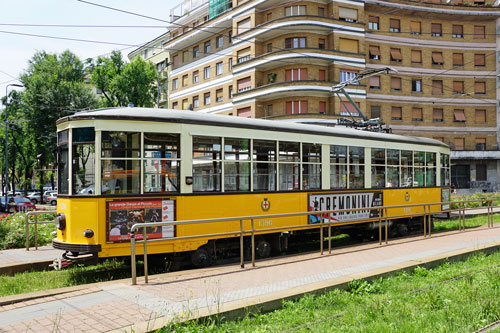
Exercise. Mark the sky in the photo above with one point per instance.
(16, 50)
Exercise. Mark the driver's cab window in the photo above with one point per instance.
(83, 160)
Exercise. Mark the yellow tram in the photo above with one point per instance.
(121, 166)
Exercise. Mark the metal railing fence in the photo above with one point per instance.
(35, 213)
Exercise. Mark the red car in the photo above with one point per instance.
(17, 204)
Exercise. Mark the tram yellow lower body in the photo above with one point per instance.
(92, 213)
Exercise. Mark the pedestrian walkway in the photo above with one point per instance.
(20, 260)
(119, 306)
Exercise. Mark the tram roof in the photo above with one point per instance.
(200, 118)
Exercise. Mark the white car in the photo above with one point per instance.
(35, 197)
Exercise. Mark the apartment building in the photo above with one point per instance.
(279, 60)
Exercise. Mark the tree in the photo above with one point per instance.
(124, 83)
(54, 87)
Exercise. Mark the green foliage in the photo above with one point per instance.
(362, 287)
(420, 271)
(123, 83)
(479, 200)
(13, 231)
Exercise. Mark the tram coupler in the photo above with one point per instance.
(68, 258)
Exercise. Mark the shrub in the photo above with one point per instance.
(13, 230)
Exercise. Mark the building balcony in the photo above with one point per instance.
(306, 88)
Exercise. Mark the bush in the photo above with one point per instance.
(13, 230)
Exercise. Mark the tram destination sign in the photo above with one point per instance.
(123, 214)
(336, 201)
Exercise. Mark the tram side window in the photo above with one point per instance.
(161, 163)
(120, 163)
(419, 169)
(62, 162)
(338, 166)
(236, 165)
(356, 167)
(392, 168)
(406, 168)
(445, 170)
(430, 169)
(289, 167)
(83, 160)
(378, 167)
(311, 166)
(264, 165)
(206, 164)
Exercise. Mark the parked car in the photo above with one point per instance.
(47, 194)
(35, 197)
(52, 199)
(16, 204)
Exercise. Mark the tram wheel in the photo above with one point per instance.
(263, 249)
(201, 258)
(402, 229)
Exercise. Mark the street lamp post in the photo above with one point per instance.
(6, 144)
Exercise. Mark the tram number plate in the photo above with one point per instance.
(337, 201)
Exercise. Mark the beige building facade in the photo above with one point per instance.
(279, 60)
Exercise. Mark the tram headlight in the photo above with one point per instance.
(61, 221)
(89, 233)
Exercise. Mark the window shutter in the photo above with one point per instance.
(374, 50)
(459, 115)
(395, 83)
(416, 113)
(303, 74)
(415, 27)
(289, 107)
(348, 45)
(458, 29)
(437, 57)
(479, 32)
(348, 13)
(396, 112)
(437, 87)
(437, 114)
(459, 143)
(416, 56)
(244, 84)
(375, 81)
(296, 106)
(245, 112)
(458, 59)
(480, 87)
(479, 60)
(396, 54)
(303, 106)
(373, 19)
(288, 75)
(435, 28)
(322, 107)
(458, 86)
(393, 23)
(481, 116)
(322, 75)
(347, 107)
(244, 25)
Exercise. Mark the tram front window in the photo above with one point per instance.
(62, 162)
(161, 164)
(83, 160)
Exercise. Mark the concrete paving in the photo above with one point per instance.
(119, 306)
(20, 260)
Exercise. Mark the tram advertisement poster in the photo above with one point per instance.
(122, 215)
(336, 201)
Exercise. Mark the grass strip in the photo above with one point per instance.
(454, 297)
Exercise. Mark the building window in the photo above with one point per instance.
(416, 85)
(458, 87)
(321, 11)
(243, 26)
(458, 59)
(437, 87)
(206, 72)
(349, 109)
(295, 10)
(184, 80)
(480, 116)
(347, 75)
(394, 25)
(480, 88)
(206, 98)
(396, 113)
(244, 84)
(218, 68)
(185, 56)
(322, 75)
(481, 169)
(437, 58)
(296, 74)
(175, 84)
(395, 84)
(295, 43)
(348, 45)
(206, 47)
(480, 144)
(196, 52)
(243, 55)
(175, 60)
(270, 47)
(218, 95)
(230, 91)
(322, 107)
(374, 52)
(436, 30)
(459, 116)
(459, 143)
(396, 55)
(417, 114)
(269, 16)
(415, 28)
(196, 76)
(321, 43)
(245, 112)
(479, 32)
(348, 14)
(479, 60)
(375, 82)
(230, 64)
(295, 107)
(457, 31)
(175, 105)
(230, 37)
(375, 111)
(185, 104)
(437, 115)
(145, 53)
(219, 42)
(416, 56)
(196, 102)
(373, 22)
